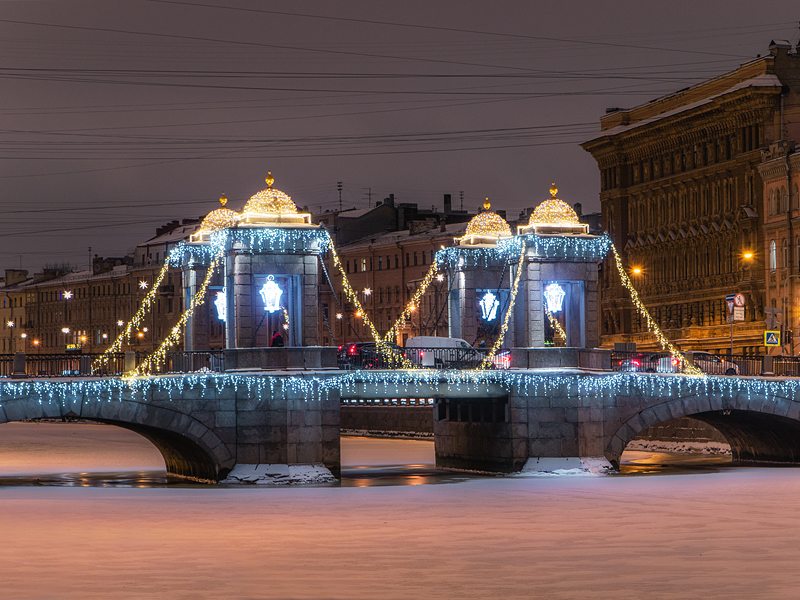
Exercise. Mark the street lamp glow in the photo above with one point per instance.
(9, 323)
(105, 336)
(637, 270)
(338, 315)
(143, 284)
(67, 294)
(140, 334)
(747, 255)
(367, 291)
(440, 277)
(35, 342)
(24, 335)
(120, 323)
(65, 330)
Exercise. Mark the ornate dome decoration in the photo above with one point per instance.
(554, 217)
(273, 208)
(221, 218)
(485, 229)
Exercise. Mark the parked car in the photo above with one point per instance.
(365, 355)
(442, 352)
(705, 361)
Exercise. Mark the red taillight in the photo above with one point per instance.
(636, 363)
(421, 353)
(352, 349)
(340, 347)
(675, 362)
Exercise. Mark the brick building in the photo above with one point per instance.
(682, 196)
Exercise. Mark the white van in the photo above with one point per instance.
(441, 352)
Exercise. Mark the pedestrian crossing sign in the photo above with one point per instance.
(772, 338)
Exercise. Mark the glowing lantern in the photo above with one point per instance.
(554, 296)
(271, 294)
(222, 306)
(489, 304)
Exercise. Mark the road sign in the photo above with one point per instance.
(730, 301)
(772, 339)
(730, 318)
(738, 300)
(738, 313)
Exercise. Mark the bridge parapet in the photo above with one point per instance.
(207, 424)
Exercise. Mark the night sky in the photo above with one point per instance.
(120, 116)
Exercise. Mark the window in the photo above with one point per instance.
(380, 263)
(415, 259)
(771, 207)
(347, 264)
(773, 256)
(796, 198)
(423, 258)
(363, 265)
(396, 261)
(785, 254)
(407, 259)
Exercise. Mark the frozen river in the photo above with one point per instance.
(711, 532)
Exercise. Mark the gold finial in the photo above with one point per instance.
(223, 200)
(486, 205)
(270, 179)
(553, 190)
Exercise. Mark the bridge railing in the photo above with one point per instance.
(75, 365)
(434, 358)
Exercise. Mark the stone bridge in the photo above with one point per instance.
(206, 425)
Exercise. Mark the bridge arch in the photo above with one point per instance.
(765, 430)
(190, 448)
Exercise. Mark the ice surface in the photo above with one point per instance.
(728, 534)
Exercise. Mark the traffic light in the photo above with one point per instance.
(787, 339)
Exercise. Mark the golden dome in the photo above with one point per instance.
(485, 228)
(270, 201)
(220, 218)
(272, 208)
(554, 216)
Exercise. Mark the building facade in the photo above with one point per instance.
(682, 197)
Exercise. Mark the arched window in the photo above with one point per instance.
(773, 255)
(785, 254)
(796, 198)
(772, 210)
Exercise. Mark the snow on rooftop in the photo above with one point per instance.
(763, 81)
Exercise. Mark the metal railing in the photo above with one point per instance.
(80, 365)
(745, 365)
(354, 356)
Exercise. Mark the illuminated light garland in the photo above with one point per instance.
(652, 326)
(555, 324)
(157, 358)
(286, 318)
(413, 303)
(133, 324)
(352, 296)
(487, 360)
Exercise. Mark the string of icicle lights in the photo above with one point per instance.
(54, 397)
